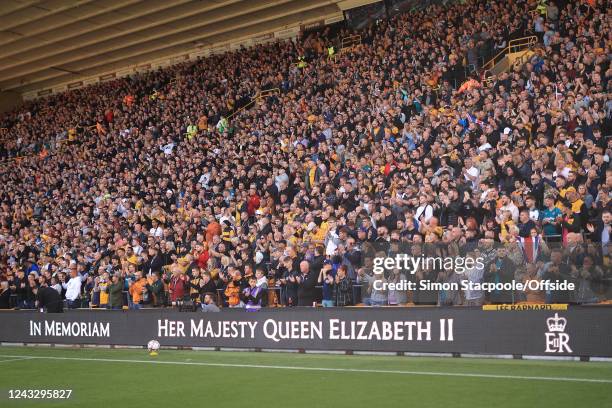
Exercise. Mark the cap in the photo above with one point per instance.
(507, 130)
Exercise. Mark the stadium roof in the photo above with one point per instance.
(44, 43)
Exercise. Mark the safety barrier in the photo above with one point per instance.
(261, 94)
(349, 42)
(520, 44)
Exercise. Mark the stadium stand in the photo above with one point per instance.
(239, 177)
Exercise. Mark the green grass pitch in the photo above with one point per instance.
(131, 378)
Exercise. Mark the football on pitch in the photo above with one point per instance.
(153, 346)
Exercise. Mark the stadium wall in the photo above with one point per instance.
(579, 331)
(9, 100)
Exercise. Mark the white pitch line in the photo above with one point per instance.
(15, 359)
(347, 370)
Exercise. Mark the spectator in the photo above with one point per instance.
(73, 288)
(233, 291)
(343, 288)
(532, 295)
(19, 288)
(556, 272)
(207, 284)
(5, 295)
(115, 292)
(307, 281)
(155, 288)
(194, 285)
(474, 275)
(551, 217)
(253, 295)
(397, 297)
(138, 290)
(501, 271)
(359, 147)
(47, 298)
(377, 291)
(209, 304)
(327, 280)
(178, 285)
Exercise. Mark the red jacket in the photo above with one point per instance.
(178, 287)
(253, 204)
(203, 258)
(109, 116)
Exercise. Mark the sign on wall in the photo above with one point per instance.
(579, 331)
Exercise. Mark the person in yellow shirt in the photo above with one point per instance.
(192, 131)
(227, 233)
(301, 63)
(331, 52)
(72, 135)
(103, 284)
(578, 206)
(320, 232)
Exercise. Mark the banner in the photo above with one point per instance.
(578, 331)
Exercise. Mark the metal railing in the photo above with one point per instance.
(261, 94)
(520, 44)
(347, 43)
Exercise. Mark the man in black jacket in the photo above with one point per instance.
(153, 263)
(207, 284)
(19, 287)
(450, 209)
(601, 232)
(49, 299)
(306, 285)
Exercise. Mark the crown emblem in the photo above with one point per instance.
(556, 323)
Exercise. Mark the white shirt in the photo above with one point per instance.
(486, 146)
(474, 275)
(204, 178)
(425, 210)
(483, 196)
(167, 149)
(474, 173)
(513, 210)
(332, 243)
(564, 172)
(73, 288)
(156, 232)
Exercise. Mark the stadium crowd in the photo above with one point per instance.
(158, 188)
